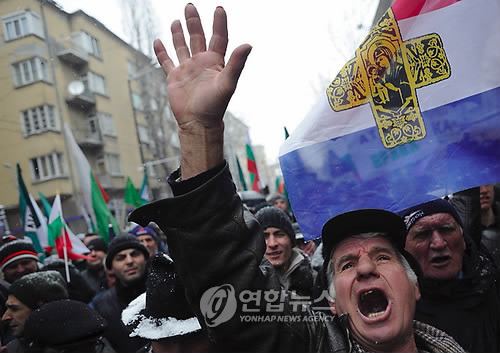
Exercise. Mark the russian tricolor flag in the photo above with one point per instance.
(413, 116)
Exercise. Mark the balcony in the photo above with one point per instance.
(89, 139)
(83, 101)
(71, 53)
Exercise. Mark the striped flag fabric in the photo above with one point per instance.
(61, 237)
(415, 115)
(241, 175)
(33, 221)
(252, 167)
(92, 196)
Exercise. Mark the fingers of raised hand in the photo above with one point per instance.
(162, 56)
(218, 42)
(179, 42)
(195, 29)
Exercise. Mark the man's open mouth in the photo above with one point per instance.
(372, 303)
(440, 259)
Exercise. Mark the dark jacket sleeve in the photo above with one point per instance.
(215, 241)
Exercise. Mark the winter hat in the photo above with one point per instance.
(39, 288)
(98, 245)
(275, 217)
(121, 242)
(62, 323)
(361, 221)
(413, 214)
(16, 250)
(138, 230)
(163, 311)
(275, 197)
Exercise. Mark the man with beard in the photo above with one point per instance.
(126, 259)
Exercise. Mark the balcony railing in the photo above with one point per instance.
(88, 139)
(71, 53)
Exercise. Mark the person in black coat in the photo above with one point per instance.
(127, 258)
(460, 289)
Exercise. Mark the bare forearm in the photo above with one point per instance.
(202, 148)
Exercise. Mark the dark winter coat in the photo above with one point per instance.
(215, 241)
(110, 305)
(468, 309)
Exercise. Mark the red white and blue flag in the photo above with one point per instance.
(413, 116)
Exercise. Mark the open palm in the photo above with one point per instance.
(201, 86)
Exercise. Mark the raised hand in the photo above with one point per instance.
(201, 86)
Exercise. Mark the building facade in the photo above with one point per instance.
(62, 68)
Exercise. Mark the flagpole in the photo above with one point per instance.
(65, 250)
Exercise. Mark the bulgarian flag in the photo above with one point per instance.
(92, 196)
(252, 167)
(61, 237)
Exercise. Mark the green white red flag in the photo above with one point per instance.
(61, 237)
(252, 167)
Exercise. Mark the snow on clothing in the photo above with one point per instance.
(110, 305)
(468, 308)
(214, 240)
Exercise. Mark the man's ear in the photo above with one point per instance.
(417, 292)
(332, 307)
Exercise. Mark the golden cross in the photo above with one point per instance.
(385, 73)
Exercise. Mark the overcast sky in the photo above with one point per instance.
(298, 48)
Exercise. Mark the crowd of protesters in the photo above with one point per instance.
(424, 280)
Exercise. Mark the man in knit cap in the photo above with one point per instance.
(126, 258)
(27, 294)
(147, 237)
(292, 264)
(64, 326)
(17, 258)
(95, 274)
(460, 289)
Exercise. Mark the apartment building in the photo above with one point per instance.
(61, 68)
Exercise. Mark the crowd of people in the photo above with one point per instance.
(232, 279)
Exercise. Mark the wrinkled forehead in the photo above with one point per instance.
(433, 220)
(361, 243)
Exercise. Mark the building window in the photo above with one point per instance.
(47, 167)
(137, 101)
(91, 45)
(131, 69)
(94, 83)
(143, 134)
(20, 24)
(38, 120)
(28, 71)
(114, 166)
(106, 122)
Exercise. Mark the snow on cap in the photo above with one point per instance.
(163, 311)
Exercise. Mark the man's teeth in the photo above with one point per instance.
(374, 315)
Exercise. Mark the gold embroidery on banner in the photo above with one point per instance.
(385, 73)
